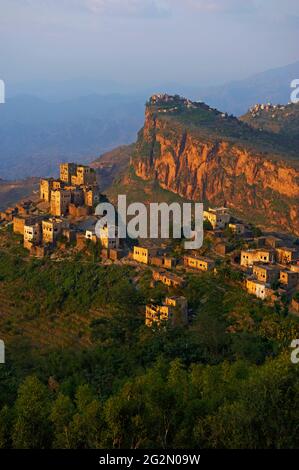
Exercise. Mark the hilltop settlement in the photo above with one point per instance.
(62, 221)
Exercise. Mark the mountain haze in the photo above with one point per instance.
(79, 120)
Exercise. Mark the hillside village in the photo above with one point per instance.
(63, 219)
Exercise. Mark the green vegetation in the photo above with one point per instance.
(226, 380)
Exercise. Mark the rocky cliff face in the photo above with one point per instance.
(204, 155)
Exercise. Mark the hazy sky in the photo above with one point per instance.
(146, 41)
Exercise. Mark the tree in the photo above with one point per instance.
(85, 428)
(32, 427)
(5, 427)
(61, 416)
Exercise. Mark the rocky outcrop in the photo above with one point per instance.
(218, 171)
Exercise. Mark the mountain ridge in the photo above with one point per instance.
(218, 170)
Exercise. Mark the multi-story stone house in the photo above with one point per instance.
(261, 255)
(67, 171)
(174, 309)
(286, 255)
(60, 200)
(52, 229)
(84, 176)
(107, 241)
(32, 234)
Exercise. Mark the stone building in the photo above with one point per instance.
(221, 248)
(166, 262)
(144, 255)
(32, 234)
(84, 176)
(264, 273)
(52, 229)
(218, 217)
(45, 188)
(168, 279)
(286, 255)
(273, 242)
(91, 195)
(24, 208)
(116, 254)
(107, 241)
(288, 278)
(19, 222)
(77, 195)
(174, 310)
(237, 228)
(79, 211)
(60, 200)
(260, 289)
(199, 262)
(261, 255)
(67, 171)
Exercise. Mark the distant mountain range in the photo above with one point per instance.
(13, 191)
(37, 133)
(237, 97)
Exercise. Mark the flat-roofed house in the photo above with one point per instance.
(143, 255)
(218, 217)
(260, 255)
(60, 201)
(84, 176)
(67, 170)
(167, 278)
(19, 222)
(32, 234)
(237, 228)
(274, 242)
(108, 241)
(288, 278)
(52, 229)
(174, 309)
(286, 255)
(91, 195)
(265, 273)
(258, 288)
(45, 187)
(200, 263)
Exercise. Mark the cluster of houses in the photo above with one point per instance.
(271, 267)
(64, 209)
(65, 213)
(269, 108)
(173, 310)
